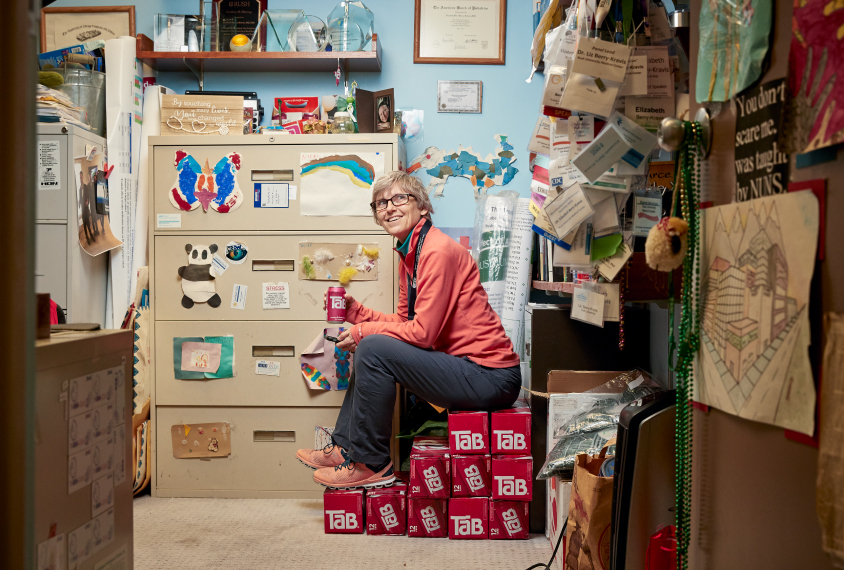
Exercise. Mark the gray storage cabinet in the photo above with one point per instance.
(74, 279)
(270, 416)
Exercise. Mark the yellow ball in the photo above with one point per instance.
(240, 43)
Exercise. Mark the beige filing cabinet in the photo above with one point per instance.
(83, 448)
(74, 279)
(269, 416)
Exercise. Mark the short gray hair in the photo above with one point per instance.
(409, 185)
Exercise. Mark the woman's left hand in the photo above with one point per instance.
(346, 341)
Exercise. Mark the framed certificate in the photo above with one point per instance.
(460, 31)
(460, 96)
(72, 25)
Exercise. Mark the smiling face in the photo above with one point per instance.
(399, 221)
(384, 113)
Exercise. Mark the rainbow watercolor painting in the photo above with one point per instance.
(338, 184)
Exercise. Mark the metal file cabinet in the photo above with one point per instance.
(269, 416)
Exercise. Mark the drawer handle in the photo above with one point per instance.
(274, 351)
(263, 435)
(273, 265)
(271, 175)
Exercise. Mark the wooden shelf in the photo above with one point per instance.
(254, 61)
(556, 286)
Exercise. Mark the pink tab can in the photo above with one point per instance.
(336, 305)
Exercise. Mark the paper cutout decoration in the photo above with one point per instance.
(733, 44)
(757, 260)
(338, 184)
(216, 187)
(324, 366)
(208, 440)
(236, 252)
(495, 170)
(222, 345)
(816, 108)
(95, 234)
(325, 261)
(201, 356)
(198, 279)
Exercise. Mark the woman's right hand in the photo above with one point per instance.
(349, 301)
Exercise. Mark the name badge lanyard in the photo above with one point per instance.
(411, 285)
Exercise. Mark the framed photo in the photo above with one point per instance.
(384, 111)
(63, 27)
(460, 96)
(460, 31)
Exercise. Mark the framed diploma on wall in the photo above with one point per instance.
(68, 26)
(460, 31)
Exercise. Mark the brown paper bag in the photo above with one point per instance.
(590, 515)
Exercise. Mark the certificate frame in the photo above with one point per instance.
(443, 107)
(91, 18)
(423, 29)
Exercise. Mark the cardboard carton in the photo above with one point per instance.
(520, 406)
(470, 476)
(560, 496)
(430, 476)
(468, 518)
(427, 518)
(512, 477)
(343, 511)
(468, 432)
(430, 445)
(386, 512)
(510, 433)
(508, 520)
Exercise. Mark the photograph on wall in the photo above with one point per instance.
(338, 184)
(757, 260)
(95, 235)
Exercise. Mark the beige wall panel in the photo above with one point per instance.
(305, 296)
(253, 465)
(289, 388)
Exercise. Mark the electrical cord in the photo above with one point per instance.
(553, 554)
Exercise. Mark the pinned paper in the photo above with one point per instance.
(80, 545)
(605, 246)
(328, 259)
(52, 553)
(648, 112)
(214, 440)
(236, 252)
(275, 195)
(621, 139)
(178, 370)
(201, 356)
(219, 265)
(198, 279)
(102, 494)
(647, 211)
(226, 368)
(276, 295)
(588, 307)
(267, 367)
(610, 293)
(197, 185)
(79, 470)
(610, 266)
(568, 210)
(102, 530)
(637, 77)
(239, 297)
(660, 78)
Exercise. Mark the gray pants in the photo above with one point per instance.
(364, 426)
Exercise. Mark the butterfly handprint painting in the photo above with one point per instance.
(205, 185)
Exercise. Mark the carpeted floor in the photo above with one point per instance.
(288, 534)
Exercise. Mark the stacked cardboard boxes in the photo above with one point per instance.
(473, 485)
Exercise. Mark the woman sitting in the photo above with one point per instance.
(445, 345)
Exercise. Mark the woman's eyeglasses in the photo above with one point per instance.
(397, 200)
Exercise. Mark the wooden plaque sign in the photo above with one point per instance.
(201, 115)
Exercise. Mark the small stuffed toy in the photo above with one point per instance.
(667, 243)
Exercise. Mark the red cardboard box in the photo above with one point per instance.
(430, 445)
(512, 477)
(510, 432)
(508, 520)
(430, 476)
(288, 109)
(470, 476)
(386, 511)
(343, 511)
(520, 406)
(427, 518)
(468, 433)
(468, 519)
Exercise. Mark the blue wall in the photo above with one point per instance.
(510, 105)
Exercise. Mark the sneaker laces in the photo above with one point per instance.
(348, 464)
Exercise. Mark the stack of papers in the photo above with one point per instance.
(55, 107)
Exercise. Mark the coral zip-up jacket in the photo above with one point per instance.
(452, 309)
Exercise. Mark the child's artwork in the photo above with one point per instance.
(338, 184)
(201, 440)
(202, 185)
(496, 169)
(757, 260)
(198, 358)
(343, 262)
(198, 279)
(816, 115)
(95, 235)
(324, 366)
(201, 356)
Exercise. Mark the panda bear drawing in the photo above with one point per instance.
(197, 276)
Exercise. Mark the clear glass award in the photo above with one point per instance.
(350, 26)
(307, 33)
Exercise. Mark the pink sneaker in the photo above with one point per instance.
(329, 456)
(351, 475)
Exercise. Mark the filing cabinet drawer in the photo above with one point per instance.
(306, 297)
(264, 163)
(287, 340)
(263, 448)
